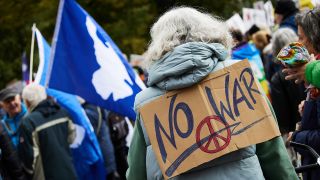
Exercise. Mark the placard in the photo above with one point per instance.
(221, 114)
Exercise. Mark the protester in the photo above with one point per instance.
(285, 11)
(141, 73)
(248, 50)
(309, 35)
(15, 110)
(308, 133)
(98, 119)
(10, 165)
(261, 39)
(199, 42)
(119, 131)
(248, 35)
(237, 37)
(45, 135)
(285, 95)
(278, 40)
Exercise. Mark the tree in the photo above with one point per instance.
(126, 21)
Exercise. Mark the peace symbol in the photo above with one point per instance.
(213, 136)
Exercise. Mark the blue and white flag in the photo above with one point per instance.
(44, 56)
(87, 157)
(25, 69)
(86, 62)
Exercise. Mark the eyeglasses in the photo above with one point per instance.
(313, 14)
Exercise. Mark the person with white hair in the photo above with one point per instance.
(186, 46)
(45, 135)
(285, 95)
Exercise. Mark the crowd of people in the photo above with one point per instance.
(186, 46)
(37, 133)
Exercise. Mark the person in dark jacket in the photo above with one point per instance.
(45, 135)
(10, 165)
(285, 95)
(285, 11)
(119, 130)
(309, 134)
(97, 117)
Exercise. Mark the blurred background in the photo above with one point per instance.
(126, 21)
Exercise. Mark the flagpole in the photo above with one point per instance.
(31, 53)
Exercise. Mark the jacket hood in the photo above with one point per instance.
(185, 65)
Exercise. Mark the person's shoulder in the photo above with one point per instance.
(147, 95)
(276, 76)
(222, 64)
(27, 123)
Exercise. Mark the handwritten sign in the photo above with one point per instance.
(254, 16)
(236, 22)
(223, 113)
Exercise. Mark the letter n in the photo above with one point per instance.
(158, 127)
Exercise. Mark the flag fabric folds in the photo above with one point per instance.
(87, 157)
(86, 62)
(25, 68)
(44, 55)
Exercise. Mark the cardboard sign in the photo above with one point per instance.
(254, 16)
(236, 22)
(268, 8)
(258, 5)
(223, 113)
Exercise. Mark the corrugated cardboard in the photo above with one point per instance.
(194, 129)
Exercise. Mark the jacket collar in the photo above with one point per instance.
(185, 65)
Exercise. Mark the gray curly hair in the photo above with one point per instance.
(34, 94)
(184, 24)
(310, 23)
(281, 38)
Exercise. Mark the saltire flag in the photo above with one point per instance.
(25, 68)
(44, 55)
(86, 62)
(87, 157)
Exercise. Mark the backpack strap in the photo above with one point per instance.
(99, 119)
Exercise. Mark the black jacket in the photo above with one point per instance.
(286, 97)
(10, 165)
(309, 135)
(45, 135)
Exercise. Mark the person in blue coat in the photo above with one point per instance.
(15, 110)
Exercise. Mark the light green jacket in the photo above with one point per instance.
(186, 65)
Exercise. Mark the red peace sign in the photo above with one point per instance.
(213, 135)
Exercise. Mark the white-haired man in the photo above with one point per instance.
(45, 135)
